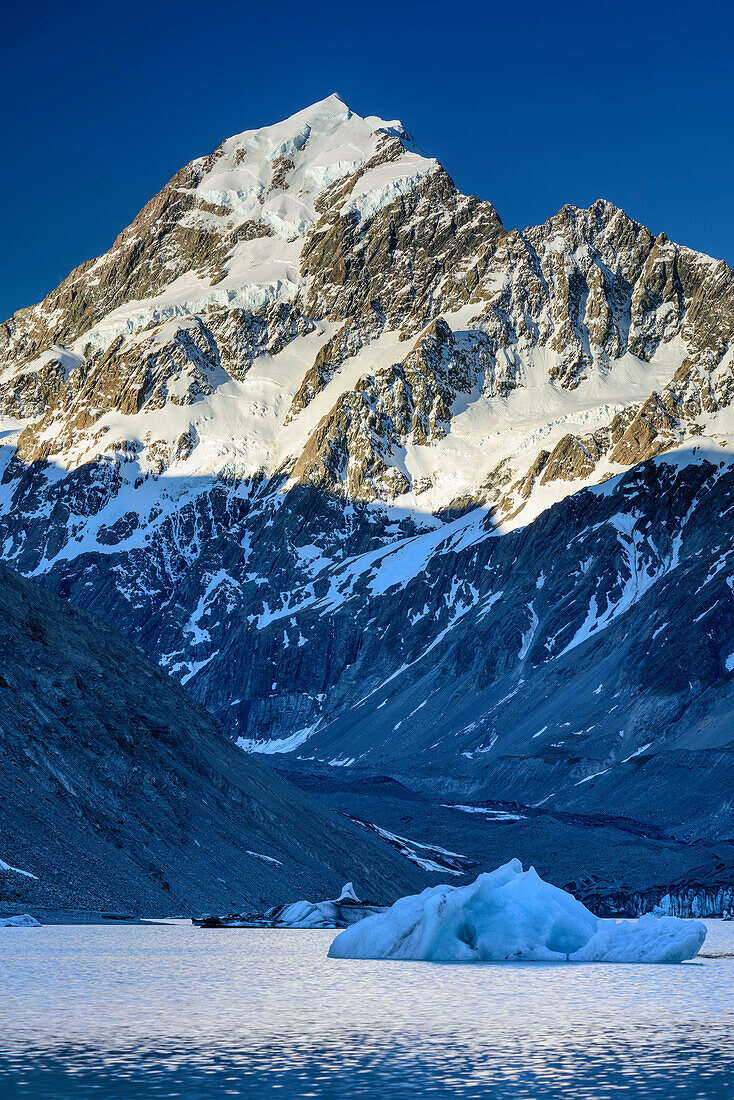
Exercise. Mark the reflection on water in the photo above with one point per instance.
(171, 1010)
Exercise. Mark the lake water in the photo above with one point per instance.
(171, 1010)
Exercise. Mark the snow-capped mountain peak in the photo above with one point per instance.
(313, 383)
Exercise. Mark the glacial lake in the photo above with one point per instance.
(169, 1010)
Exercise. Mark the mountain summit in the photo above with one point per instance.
(389, 487)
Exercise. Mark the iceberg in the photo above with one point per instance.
(24, 920)
(513, 915)
(338, 912)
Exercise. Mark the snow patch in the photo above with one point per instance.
(267, 859)
(16, 870)
(279, 744)
(493, 815)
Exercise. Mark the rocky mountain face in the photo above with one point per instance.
(119, 790)
(391, 488)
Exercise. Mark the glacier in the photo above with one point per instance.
(513, 915)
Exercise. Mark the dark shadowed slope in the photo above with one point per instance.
(118, 790)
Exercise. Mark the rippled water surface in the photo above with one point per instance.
(172, 1010)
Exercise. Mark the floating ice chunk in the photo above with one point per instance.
(338, 913)
(24, 920)
(512, 914)
(335, 913)
(650, 939)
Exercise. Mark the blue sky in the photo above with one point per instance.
(529, 105)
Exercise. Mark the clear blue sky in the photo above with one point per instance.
(528, 104)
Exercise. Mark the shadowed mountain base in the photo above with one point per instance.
(118, 790)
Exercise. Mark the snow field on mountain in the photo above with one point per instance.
(313, 149)
(486, 430)
(240, 426)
